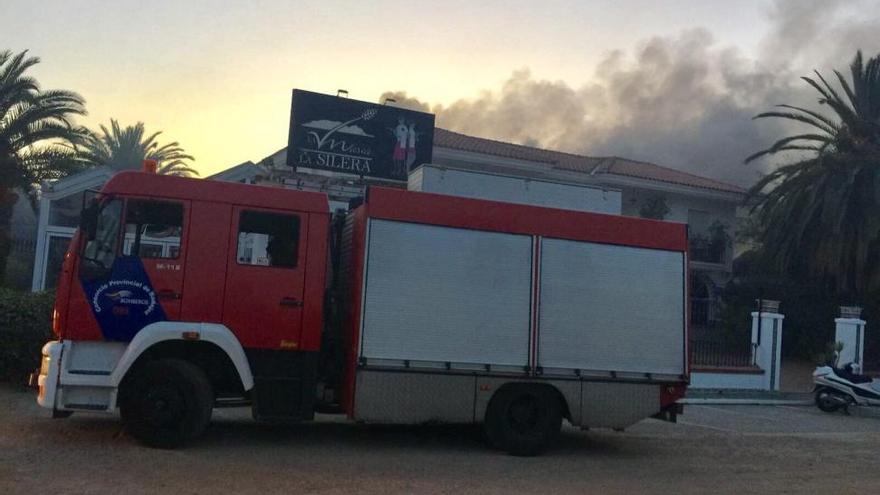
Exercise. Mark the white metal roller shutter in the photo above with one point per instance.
(612, 308)
(446, 294)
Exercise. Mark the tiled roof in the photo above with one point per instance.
(579, 163)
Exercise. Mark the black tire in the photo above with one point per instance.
(523, 419)
(827, 400)
(167, 403)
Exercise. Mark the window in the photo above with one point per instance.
(101, 228)
(268, 239)
(64, 212)
(153, 229)
(701, 301)
(708, 239)
(153, 251)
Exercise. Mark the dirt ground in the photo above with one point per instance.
(713, 449)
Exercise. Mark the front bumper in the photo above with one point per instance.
(47, 379)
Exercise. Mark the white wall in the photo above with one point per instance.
(728, 380)
(679, 205)
(514, 189)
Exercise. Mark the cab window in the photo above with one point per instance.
(153, 229)
(268, 239)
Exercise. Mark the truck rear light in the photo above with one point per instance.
(669, 394)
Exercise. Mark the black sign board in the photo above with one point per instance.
(356, 137)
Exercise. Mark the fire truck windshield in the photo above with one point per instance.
(100, 248)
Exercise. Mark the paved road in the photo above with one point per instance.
(717, 449)
(781, 421)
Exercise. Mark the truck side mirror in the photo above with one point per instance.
(88, 219)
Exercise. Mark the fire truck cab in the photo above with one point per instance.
(181, 280)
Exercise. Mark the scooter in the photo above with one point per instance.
(839, 388)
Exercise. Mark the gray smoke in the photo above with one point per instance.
(681, 101)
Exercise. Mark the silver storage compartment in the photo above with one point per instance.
(615, 308)
(446, 295)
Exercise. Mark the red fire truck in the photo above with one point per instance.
(178, 296)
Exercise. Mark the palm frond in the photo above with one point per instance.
(125, 148)
(806, 119)
(36, 126)
(830, 126)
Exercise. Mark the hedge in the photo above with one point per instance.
(25, 326)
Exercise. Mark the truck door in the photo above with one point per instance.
(265, 278)
(129, 268)
(154, 232)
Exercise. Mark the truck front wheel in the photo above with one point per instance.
(523, 419)
(166, 403)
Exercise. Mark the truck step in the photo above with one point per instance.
(232, 402)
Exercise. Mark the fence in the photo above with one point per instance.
(721, 354)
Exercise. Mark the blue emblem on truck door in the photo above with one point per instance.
(124, 302)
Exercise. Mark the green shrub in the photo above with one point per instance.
(25, 325)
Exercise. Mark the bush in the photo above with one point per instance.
(809, 306)
(25, 326)
(809, 314)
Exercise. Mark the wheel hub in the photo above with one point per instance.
(163, 405)
(524, 413)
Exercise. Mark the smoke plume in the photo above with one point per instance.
(682, 101)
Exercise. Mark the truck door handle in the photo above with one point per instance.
(168, 294)
(291, 302)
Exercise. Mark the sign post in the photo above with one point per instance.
(356, 137)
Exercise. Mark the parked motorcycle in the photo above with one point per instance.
(839, 388)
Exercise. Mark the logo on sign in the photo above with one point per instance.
(338, 152)
(129, 293)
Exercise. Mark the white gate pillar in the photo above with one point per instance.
(767, 342)
(851, 332)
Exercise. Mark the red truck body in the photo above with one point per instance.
(256, 290)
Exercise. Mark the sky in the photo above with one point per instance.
(216, 76)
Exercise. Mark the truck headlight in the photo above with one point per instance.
(44, 365)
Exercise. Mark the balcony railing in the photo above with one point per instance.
(706, 252)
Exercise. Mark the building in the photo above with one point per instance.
(60, 204)
(646, 189)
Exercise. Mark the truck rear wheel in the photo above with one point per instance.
(166, 403)
(523, 419)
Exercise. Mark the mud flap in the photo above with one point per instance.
(670, 413)
(284, 384)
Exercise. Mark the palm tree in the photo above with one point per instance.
(35, 126)
(820, 215)
(126, 148)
